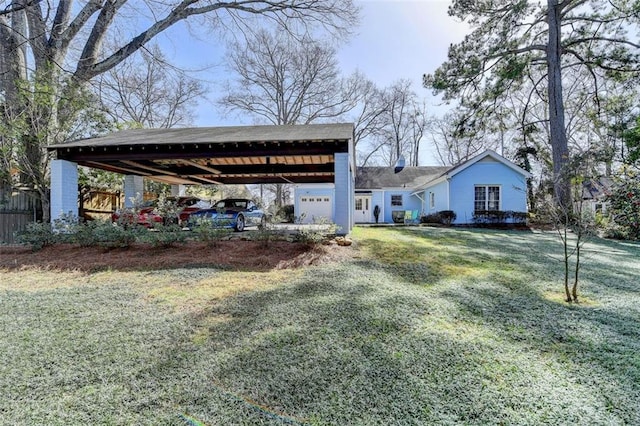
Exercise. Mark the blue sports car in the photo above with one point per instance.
(236, 213)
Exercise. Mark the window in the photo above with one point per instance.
(432, 200)
(487, 197)
(396, 200)
(358, 203)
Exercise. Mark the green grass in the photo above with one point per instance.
(424, 326)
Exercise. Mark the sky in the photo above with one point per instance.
(396, 39)
(401, 39)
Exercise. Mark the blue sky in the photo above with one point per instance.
(396, 39)
(401, 39)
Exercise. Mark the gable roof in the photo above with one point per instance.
(488, 153)
(419, 178)
(596, 189)
(384, 177)
(466, 164)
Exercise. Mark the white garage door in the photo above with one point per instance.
(314, 208)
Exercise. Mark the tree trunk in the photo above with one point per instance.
(565, 242)
(278, 195)
(556, 109)
(574, 289)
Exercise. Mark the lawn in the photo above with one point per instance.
(419, 326)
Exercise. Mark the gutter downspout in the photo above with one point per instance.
(448, 193)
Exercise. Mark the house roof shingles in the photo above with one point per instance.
(384, 177)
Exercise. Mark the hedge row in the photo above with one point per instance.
(499, 217)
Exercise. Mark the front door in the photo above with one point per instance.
(363, 209)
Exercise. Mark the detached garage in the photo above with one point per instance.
(314, 206)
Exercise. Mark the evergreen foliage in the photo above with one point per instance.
(624, 208)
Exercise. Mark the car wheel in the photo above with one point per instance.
(240, 223)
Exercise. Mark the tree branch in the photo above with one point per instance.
(605, 39)
(18, 6)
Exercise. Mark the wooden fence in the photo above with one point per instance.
(17, 209)
(99, 204)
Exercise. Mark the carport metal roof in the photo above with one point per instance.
(217, 155)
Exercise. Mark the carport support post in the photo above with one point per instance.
(133, 190)
(178, 190)
(344, 194)
(64, 189)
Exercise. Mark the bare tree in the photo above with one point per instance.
(368, 115)
(147, 91)
(574, 225)
(451, 149)
(17, 6)
(287, 80)
(66, 45)
(400, 126)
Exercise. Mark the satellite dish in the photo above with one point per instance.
(399, 164)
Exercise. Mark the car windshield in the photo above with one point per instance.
(232, 204)
(187, 202)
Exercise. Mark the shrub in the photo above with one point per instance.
(165, 236)
(482, 217)
(447, 217)
(37, 235)
(209, 234)
(128, 217)
(311, 236)
(624, 208)
(444, 217)
(265, 235)
(286, 213)
(110, 236)
(85, 233)
(431, 218)
(70, 229)
(615, 231)
(168, 209)
(499, 217)
(519, 218)
(65, 228)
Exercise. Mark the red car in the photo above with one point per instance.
(148, 215)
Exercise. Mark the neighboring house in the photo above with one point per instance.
(487, 181)
(594, 194)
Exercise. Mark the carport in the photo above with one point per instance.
(315, 153)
